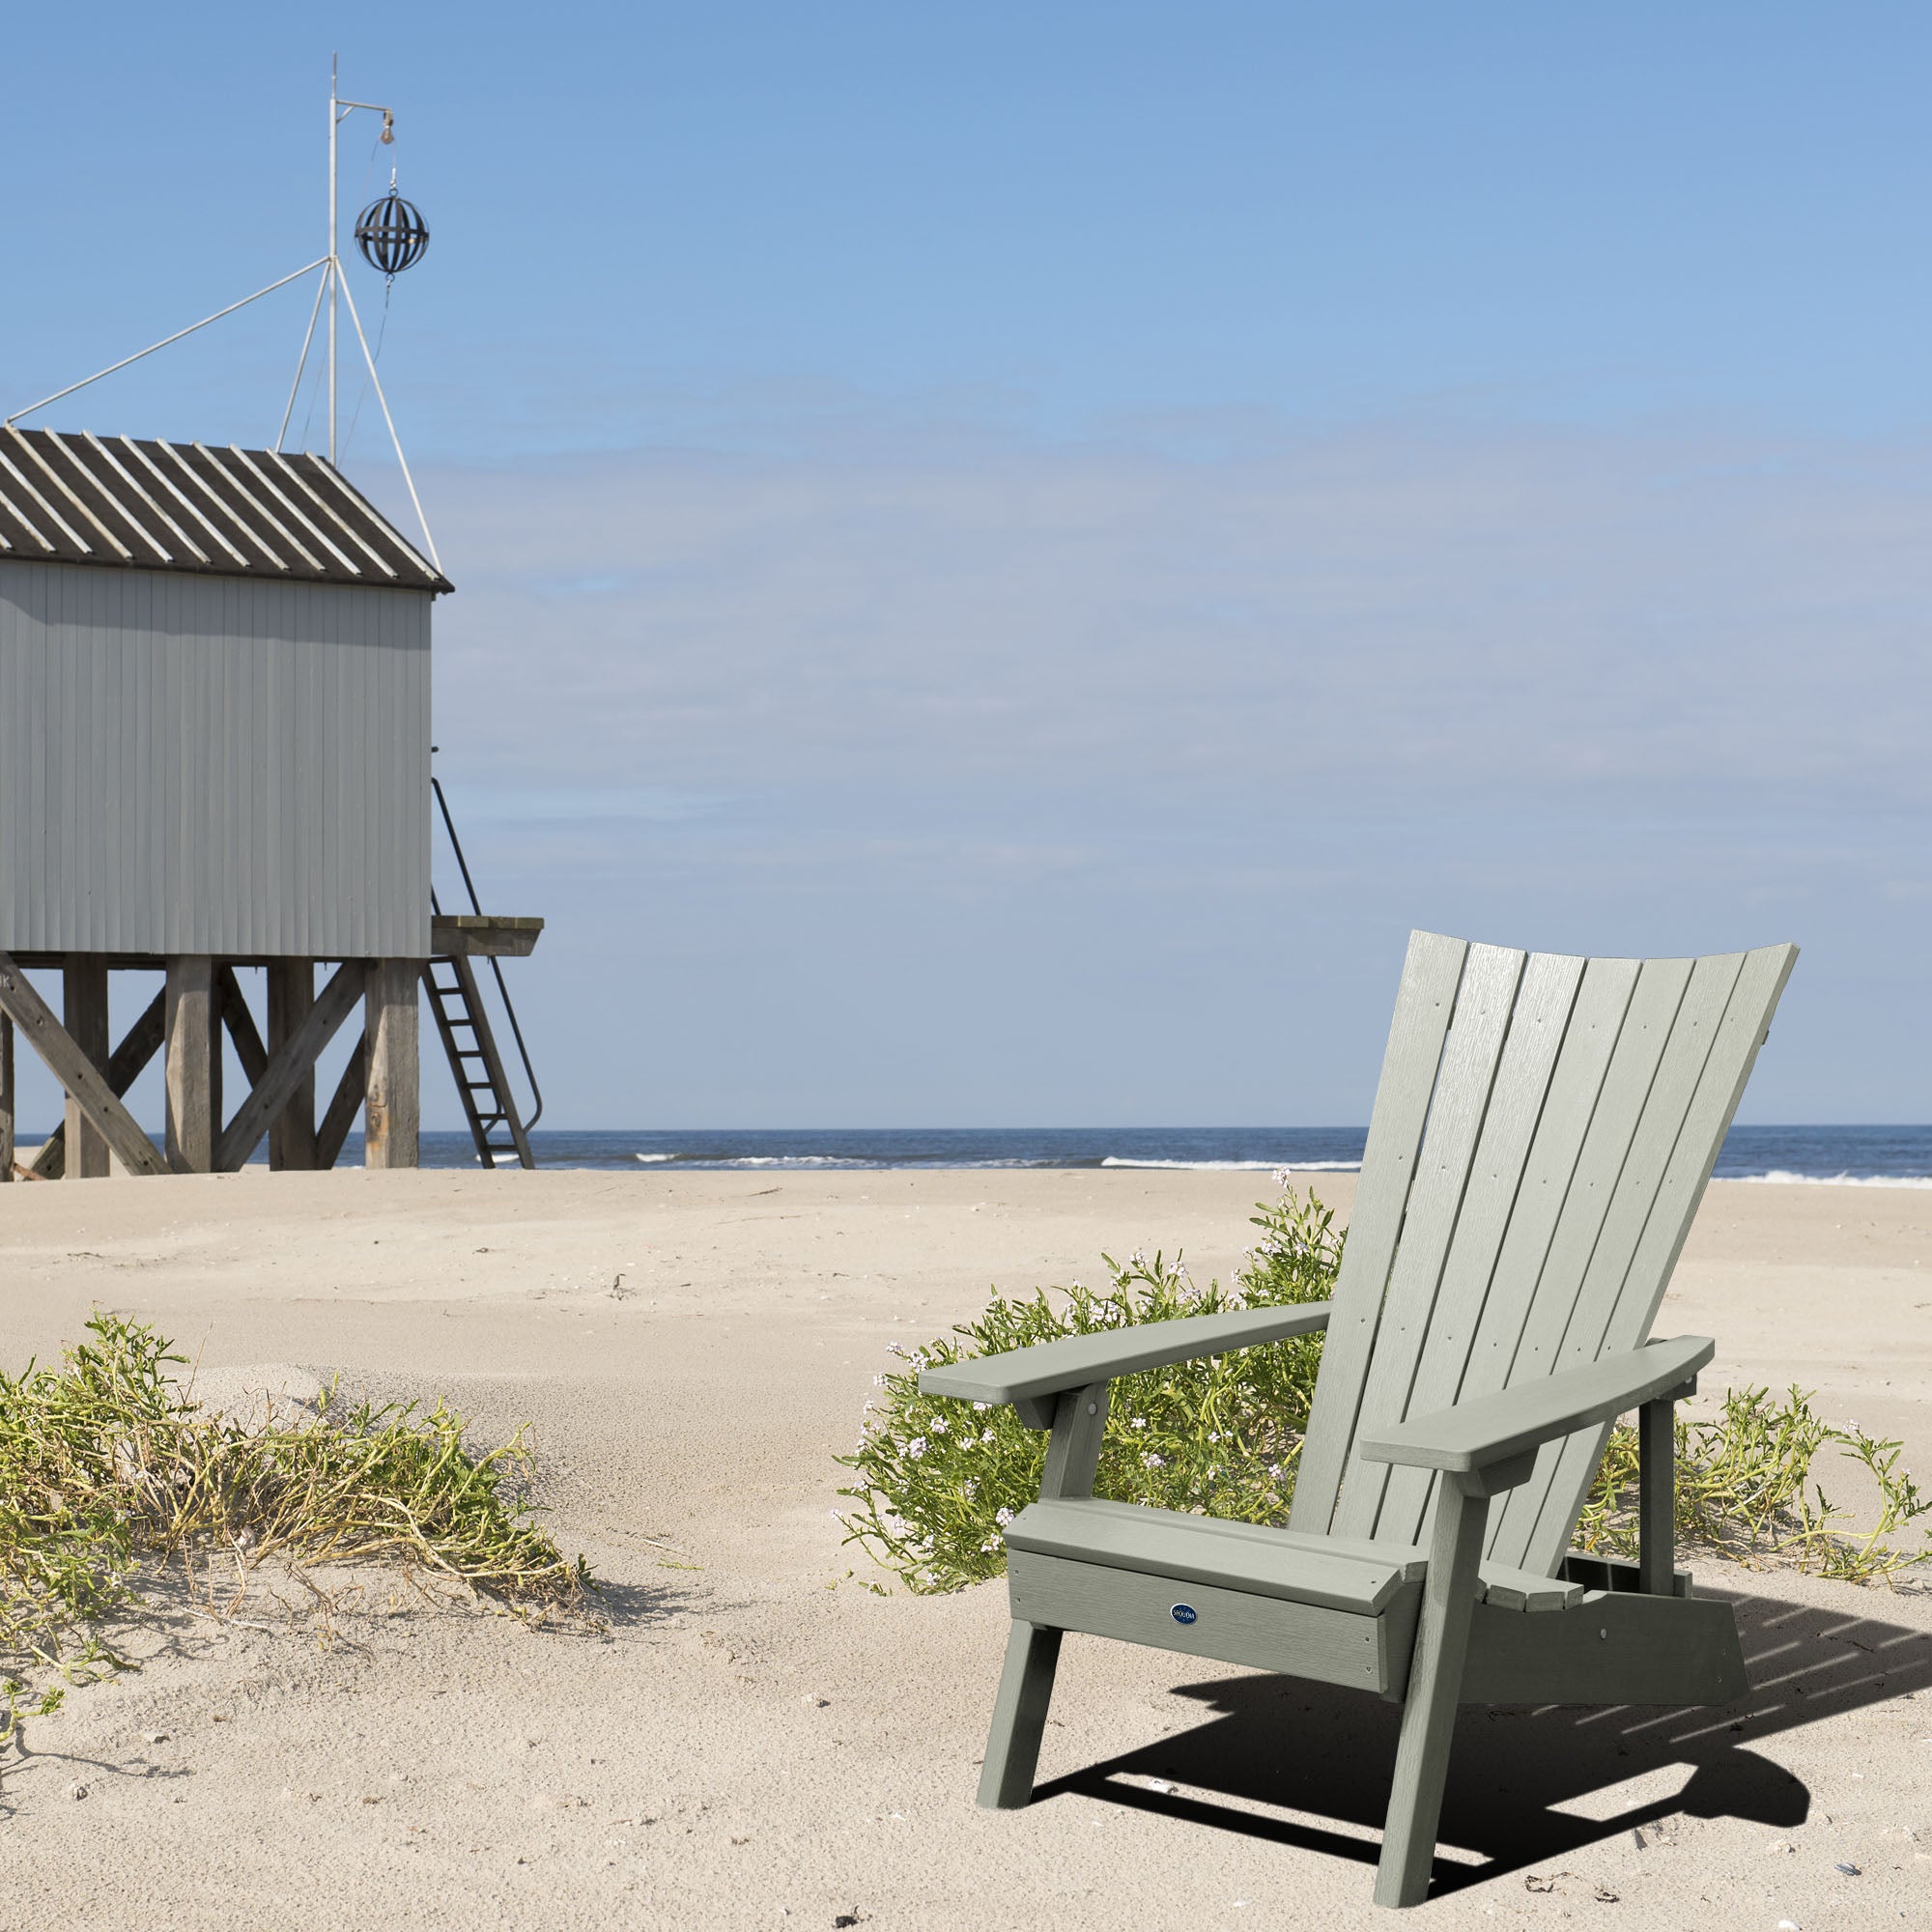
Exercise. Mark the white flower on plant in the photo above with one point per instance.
(983, 1407)
(940, 1424)
(915, 1448)
(1154, 1462)
(987, 1438)
(971, 1488)
(1003, 1516)
(1140, 1422)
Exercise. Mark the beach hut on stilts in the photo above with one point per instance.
(215, 761)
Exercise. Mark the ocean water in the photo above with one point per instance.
(1884, 1156)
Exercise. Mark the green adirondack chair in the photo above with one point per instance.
(1542, 1135)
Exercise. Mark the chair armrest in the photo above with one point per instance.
(1076, 1362)
(1495, 1427)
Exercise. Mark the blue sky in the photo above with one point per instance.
(1006, 558)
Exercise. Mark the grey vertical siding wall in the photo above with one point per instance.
(210, 764)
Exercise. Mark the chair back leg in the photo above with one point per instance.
(1019, 1716)
(1428, 1707)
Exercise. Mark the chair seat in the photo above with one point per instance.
(1332, 1571)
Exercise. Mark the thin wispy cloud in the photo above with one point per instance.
(1068, 741)
(1350, 623)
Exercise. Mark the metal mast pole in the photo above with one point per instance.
(334, 272)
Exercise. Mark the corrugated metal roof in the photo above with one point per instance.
(67, 499)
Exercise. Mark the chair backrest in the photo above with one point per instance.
(1542, 1133)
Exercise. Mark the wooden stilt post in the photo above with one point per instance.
(392, 1116)
(194, 1064)
(5, 1100)
(84, 1015)
(291, 995)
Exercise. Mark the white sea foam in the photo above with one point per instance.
(1776, 1177)
(1782, 1177)
(759, 1159)
(1239, 1166)
(795, 1160)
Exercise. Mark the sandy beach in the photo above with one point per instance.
(759, 1739)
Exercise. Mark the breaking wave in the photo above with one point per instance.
(1779, 1177)
(1237, 1166)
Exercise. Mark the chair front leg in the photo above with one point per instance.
(1434, 1681)
(1019, 1716)
(1033, 1651)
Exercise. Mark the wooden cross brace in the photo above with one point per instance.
(240, 1025)
(343, 1106)
(98, 1091)
(89, 1087)
(290, 1065)
(131, 1058)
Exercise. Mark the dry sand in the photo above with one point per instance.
(761, 1741)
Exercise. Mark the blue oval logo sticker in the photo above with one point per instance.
(1183, 1613)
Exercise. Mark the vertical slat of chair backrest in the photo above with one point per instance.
(1728, 1067)
(1491, 1207)
(1578, 1302)
(1589, 1042)
(1465, 1077)
(1533, 1314)
(1424, 1006)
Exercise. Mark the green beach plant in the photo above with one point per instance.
(1742, 1477)
(935, 1480)
(110, 1470)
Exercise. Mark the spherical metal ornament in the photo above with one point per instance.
(391, 235)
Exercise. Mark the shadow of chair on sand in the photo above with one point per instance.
(1327, 1754)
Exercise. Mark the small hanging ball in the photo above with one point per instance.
(391, 235)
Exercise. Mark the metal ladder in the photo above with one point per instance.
(482, 1082)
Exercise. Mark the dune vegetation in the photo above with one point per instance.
(113, 1474)
(935, 1480)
